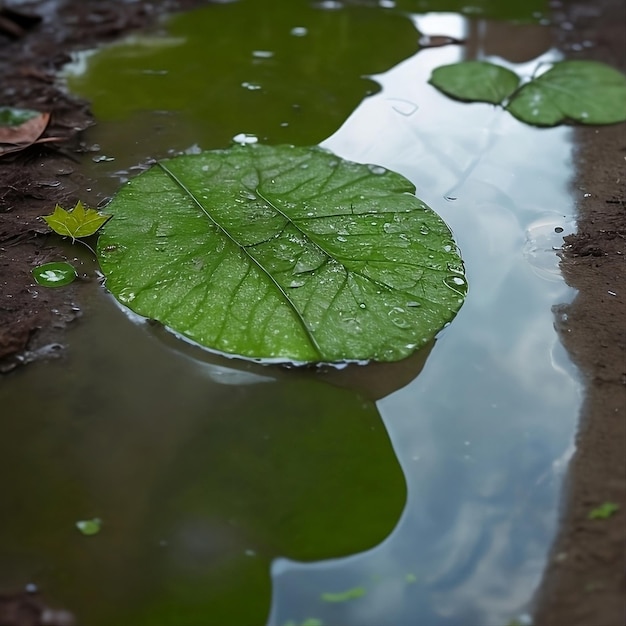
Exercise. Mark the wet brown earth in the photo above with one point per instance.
(585, 581)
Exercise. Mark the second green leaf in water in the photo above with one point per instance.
(586, 92)
(283, 253)
(475, 81)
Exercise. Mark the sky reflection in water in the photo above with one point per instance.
(147, 440)
(484, 432)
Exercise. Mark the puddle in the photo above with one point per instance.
(231, 493)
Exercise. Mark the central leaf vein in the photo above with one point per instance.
(188, 193)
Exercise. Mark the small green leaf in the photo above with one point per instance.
(10, 116)
(344, 596)
(76, 223)
(587, 92)
(475, 81)
(604, 511)
(90, 526)
(283, 252)
(54, 274)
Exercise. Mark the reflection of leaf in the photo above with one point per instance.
(475, 81)
(90, 526)
(604, 511)
(283, 252)
(344, 596)
(54, 274)
(587, 92)
(285, 497)
(76, 223)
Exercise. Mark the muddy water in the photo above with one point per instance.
(230, 493)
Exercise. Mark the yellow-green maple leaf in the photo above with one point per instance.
(75, 223)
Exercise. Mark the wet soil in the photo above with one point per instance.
(584, 584)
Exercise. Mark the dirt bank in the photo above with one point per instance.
(585, 581)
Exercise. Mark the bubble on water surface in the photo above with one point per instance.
(245, 138)
(329, 5)
(543, 237)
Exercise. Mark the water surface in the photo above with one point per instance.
(236, 494)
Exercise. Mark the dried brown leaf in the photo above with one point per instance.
(26, 133)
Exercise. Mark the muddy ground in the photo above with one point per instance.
(585, 581)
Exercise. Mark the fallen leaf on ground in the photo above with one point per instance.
(56, 274)
(604, 511)
(18, 136)
(75, 223)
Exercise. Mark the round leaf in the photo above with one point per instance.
(283, 252)
(475, 81)
(584, 91)
(54, 274)
(90, 526)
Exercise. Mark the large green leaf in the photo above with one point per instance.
(583, 91)
(283, 252)
(477, 81)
